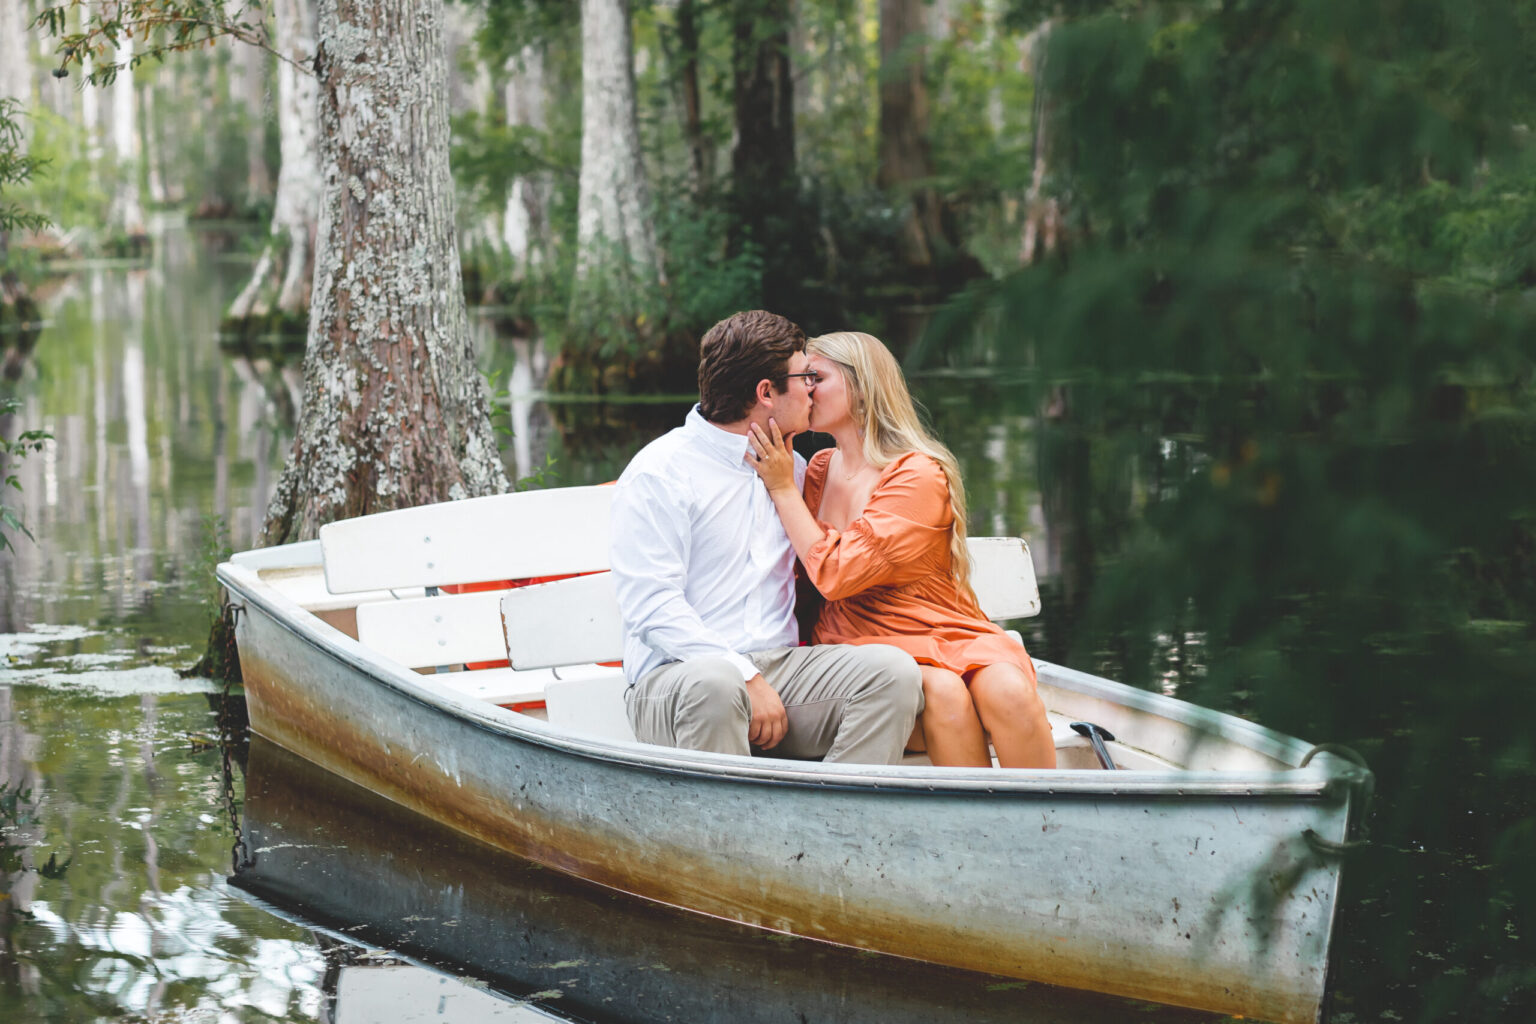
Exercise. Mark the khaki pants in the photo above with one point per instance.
(852, 703)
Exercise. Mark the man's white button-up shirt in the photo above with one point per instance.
(701, 563)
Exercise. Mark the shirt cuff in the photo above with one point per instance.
(743, 665)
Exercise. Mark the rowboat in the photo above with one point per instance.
(1202, 871)
(330, 857)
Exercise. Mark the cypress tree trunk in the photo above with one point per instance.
(90, 118)
(763, 162)
(277, 294)
(154, 138)
(904, 154)
(701, 169)
(525, 222)
(930, 239)
(395, 411)
(905, 164)
(613, 206)
(618, 267)
(15, 84)
(250, 86)
(15, 61)
(127, 212)
(1042, 210)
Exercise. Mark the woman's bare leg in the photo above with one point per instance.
(1012, 711)
(951, 730)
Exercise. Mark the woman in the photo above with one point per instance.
(881, 533)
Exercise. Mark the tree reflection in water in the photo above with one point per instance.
(368, 986)
(335, 857)
(1347, 563)
(132, 919)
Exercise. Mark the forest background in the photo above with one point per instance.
(1267, 268)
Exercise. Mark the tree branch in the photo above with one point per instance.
(189, 25)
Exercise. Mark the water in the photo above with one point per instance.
(152, 875)
(130, 886)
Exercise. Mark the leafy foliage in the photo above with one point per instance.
(492, 155)
(89, 38)
(1287, 365)
(511, 25)
(822, 249)
(25, 443)
(982, 127)
(15, 169)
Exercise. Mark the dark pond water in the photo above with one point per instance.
(148, 873)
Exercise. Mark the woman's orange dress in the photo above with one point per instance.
(886, 578)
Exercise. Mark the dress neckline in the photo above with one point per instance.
(816, 474)
(819, 470)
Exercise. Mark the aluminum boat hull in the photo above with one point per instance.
(1206, 888)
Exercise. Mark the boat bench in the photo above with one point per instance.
(465, 554)
(495, 631)
(577, 621)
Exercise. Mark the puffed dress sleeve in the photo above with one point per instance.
(892, 542)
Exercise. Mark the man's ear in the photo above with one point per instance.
(765, 391)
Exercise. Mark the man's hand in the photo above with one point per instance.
(769, 720)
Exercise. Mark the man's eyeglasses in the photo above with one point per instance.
(811, 377)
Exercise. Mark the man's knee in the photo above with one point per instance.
(893, 673)
(713, 690)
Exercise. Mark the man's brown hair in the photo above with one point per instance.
(736, 354)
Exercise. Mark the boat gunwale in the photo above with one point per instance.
(1326, 777)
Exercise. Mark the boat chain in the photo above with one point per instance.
(1367, 786)
(240, 855)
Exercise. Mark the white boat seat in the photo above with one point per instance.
(503, 686)
(567, 622)
(576, 621)
(1003, 577)
(447, 629)
(458, 630)
(500, 537)
(593, 705)
(504, 537)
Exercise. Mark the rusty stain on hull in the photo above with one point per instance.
(377, 737)
(1123, 885)
(333, 854)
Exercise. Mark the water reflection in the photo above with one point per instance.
(394, 993)
(156, 437)
(158, 432)
(343, 860)
(113, 905)
(163, 440)
(20, 837)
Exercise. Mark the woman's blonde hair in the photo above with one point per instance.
(881, 405)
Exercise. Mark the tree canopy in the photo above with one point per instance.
(1295, 279)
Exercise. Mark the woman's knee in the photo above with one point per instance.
(1002, 688)
(944, 692)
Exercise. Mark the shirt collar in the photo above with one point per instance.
(728, 447)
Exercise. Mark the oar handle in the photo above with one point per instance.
(1097, 735)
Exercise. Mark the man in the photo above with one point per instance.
(705, 578)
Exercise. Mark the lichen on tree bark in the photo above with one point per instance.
(395, 410)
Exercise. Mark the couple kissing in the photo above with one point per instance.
(713, 521)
